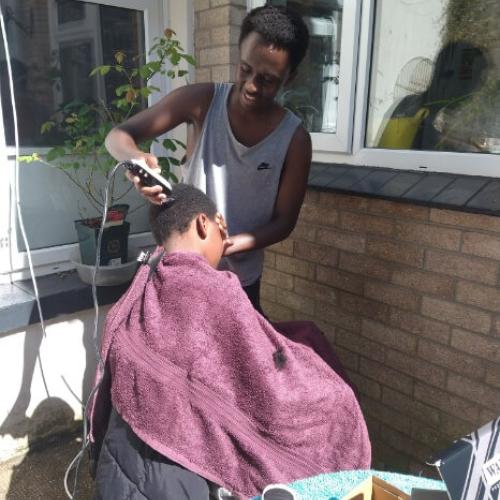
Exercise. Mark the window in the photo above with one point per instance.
(435, 77)
(53, 44)
(322, 94)
(419, 83)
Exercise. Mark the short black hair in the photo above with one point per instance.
(177, 213)
(280, 26)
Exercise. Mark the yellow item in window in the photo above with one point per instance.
(400, 132)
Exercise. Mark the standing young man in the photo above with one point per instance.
(249, 154)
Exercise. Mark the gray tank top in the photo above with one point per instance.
(242, 181)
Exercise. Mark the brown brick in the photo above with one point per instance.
(388, 336)
(364, 223)
(201, 5)
(341, 240)
(202, 39)
(303, 232)
(340, 279)
(454, 427)
(462, 266)
(386, 415)
(285, 247)
(466, 220)
(338, 317)
(277, 312)
(417, 368)
(294, 301)
(428, 283)
(364, 307)
(365, 385)
(398, 210)
(387, 458)
(477, 345)
(424, 327)
(316, 253)
(365, 265)
(450, 358)
(483, 245)
(373, 427)
(474, 391)
(314, 290)
(213, 56)
(456, 314)
(427, 234)
(343, 201)
(218, 3)
(485, 417)
(277, 278)
(395, 252)
(317, 214)
(348, 358)
(294, 266)
(496, 327)
(386, 376)
(428, 436)
(493, 375)
(269, 259)
(203, 75)
(393, 295)
(268, 292)
(403, 442)
(446, 402)
(360, 345)
(409, 406)
(485, 297)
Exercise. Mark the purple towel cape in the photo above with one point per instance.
(205, 380)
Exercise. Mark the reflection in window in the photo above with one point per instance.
(54, 44)
(313, 95)
(435, 77)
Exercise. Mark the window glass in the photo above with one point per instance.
(435, 76)
(313, 95)
(54, 44)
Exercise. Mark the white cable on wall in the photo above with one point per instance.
(17, 195)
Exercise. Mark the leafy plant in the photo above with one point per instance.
(83, 127)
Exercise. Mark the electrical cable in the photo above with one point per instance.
(17, 195)
(75, 463)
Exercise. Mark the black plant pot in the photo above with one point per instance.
(114, 243)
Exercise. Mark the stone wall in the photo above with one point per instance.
(409, 297)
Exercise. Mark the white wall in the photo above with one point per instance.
(68, 361)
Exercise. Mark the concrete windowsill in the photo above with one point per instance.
(61, 293)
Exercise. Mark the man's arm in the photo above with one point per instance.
(187, 104)
(291, 192)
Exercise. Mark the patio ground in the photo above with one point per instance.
(38, 475)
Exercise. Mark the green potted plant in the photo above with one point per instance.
(80, 154)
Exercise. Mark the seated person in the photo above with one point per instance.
(200, 388)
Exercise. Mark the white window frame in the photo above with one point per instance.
(14, 264)
(341, 140)
(355, 111)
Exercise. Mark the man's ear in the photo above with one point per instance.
(202, 226)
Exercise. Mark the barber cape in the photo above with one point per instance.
(208, 382)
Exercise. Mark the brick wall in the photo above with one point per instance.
(217, 27)
(409, 297)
